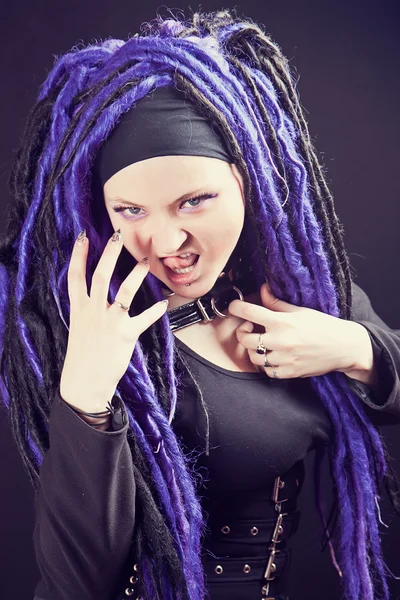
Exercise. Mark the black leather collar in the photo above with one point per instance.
(206, 307)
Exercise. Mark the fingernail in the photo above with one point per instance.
(117, 235)
(80, 240)
(164, 301)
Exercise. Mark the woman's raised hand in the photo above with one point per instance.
(102, 337)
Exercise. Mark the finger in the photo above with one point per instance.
(77, 286)
(254, 313)
(251, 340)
(129, 287)
(277, 373)
(105, 268)
(259, 359)
(245, 327)
(141, 322)
(270, 301)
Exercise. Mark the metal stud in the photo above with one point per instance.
(133, 579)
(225, 529)
(135, 567)
(254, 530)
(219, 570)
(246, 569)
(129, 592)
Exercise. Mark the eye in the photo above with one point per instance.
(121, 209)
(198, 199)
(131, 215)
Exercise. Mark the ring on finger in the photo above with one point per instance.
(126, 308)
(266, 362)
(261, 349)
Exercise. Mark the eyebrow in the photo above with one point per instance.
(180, 199)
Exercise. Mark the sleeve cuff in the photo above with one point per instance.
(383, 397)
(119, 419)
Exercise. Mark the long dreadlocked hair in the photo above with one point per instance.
(237, 77)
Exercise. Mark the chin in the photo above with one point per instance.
(196, 289)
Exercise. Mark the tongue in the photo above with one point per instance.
(180, 263)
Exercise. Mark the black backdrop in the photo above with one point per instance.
(347, 55)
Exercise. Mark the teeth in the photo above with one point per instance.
(187, 270)
(185, 255)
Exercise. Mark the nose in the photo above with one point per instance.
(166, 237)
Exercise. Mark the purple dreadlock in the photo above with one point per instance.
(237, 77)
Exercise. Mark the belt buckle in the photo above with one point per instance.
(278, 485)
(203, 311)
(271, 566)
(265, 591)
(277, 531)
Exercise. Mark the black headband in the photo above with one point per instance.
(161, 124)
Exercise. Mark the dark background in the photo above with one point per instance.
(347, 54)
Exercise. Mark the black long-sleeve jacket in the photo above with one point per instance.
(85, 508)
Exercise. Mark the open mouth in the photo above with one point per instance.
(185, 274)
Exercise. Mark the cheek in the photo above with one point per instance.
(133, 247)
(223, 234)
(112, 217)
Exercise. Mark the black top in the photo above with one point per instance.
(260, 429)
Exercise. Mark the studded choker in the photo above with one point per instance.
(211, 305)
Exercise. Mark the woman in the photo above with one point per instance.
(167, 445)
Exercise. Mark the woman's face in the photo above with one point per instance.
(157, 221)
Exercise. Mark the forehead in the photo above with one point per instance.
(168, 174)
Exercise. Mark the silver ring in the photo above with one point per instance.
(261, 349)
(121, 305)
(267, 363)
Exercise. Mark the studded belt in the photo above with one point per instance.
(264, 570)
(252, 568)
(261, 531)
(259, 573)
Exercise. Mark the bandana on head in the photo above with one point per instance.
(161, 124)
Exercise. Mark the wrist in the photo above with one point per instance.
(89, 402)
(362, 356)
(363, 367)
(100, 423)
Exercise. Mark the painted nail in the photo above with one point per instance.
(80, 240)
(116, 236)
